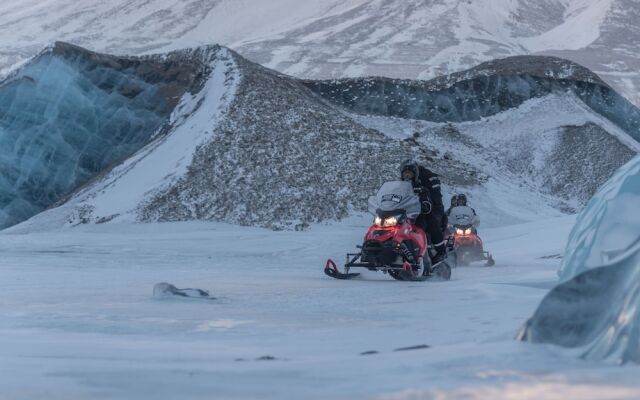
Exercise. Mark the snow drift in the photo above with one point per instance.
(596, 306)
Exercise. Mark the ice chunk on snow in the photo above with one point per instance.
(608, 225)
(164, 289)
(596, 308)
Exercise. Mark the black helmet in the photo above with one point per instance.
(454, 200)
(409, 166)
(462, 200)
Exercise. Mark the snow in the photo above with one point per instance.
(80, 320)
(571, 34)
(331, 38)
(237, 22)
(80, 316)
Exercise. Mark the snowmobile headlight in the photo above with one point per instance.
(459, 231)
(377, 221)
(391, 221)
(467, 231)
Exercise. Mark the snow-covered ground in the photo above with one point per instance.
(79, 319)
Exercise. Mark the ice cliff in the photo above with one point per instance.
(69, 114)
(596, 308)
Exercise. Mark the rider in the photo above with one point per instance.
(461, 214)
(454, 203)
(432, 219)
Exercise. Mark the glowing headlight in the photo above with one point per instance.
(391, 221)
(377, 221)
(459, 231)
(467, 231)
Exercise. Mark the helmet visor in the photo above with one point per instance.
(408, 175)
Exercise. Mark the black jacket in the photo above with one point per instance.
(428, 187)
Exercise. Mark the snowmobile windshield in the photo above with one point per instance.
(461, 215)
(395, 196)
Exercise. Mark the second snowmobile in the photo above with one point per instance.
(468, 247)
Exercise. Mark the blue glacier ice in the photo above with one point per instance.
(609, 224)
(596, 307)
(63, 119)
(482, 91)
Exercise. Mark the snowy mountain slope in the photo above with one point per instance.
(556, 160)
(276, 145)
(134, 27)
(329, 39)
(548, 123)
(482, 91)
(254, 142)
(162, 162)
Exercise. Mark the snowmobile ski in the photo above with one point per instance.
(331, 269)
(490, 261)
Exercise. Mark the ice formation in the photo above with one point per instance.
(64, 121)
(596, 307)
(485, 90)
(70, 114)
(608, 226)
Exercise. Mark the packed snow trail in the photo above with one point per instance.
(80, 320)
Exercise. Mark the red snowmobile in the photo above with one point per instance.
(394, 244)
(468, 247)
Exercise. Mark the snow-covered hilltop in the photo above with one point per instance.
(236, 142)
(332, 39)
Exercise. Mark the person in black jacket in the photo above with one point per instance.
(432, 219)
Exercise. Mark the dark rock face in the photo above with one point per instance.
(483, 91)
(71, 113)
(280, 159)
(577, 167)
